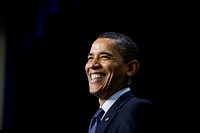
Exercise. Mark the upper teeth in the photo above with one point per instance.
(95, 76)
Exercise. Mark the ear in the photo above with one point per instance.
(133, 67)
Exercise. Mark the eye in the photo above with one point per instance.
(90, 58)
(105, 57)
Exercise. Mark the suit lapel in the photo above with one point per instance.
(111, 114)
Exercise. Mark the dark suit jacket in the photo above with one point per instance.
(128, 114)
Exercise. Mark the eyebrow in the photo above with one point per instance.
(106, 53)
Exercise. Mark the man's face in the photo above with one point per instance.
(105, 69)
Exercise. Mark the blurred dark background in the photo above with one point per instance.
(47, 42)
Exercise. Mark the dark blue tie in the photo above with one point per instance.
(96, 120)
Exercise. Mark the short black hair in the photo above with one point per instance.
(127, 46)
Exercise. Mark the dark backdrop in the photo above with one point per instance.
(47, 44)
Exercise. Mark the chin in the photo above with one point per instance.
(94, 90)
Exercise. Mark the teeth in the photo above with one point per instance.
(96, 76)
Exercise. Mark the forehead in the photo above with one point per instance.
(103, 44)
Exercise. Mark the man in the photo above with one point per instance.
(112, 62)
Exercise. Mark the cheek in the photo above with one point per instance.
(114, 67)
(119, 71)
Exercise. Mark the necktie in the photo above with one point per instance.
(96, 120)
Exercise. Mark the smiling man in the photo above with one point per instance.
(112, 62)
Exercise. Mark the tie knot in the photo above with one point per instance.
(99, 113)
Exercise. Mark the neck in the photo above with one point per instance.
(101, 101)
